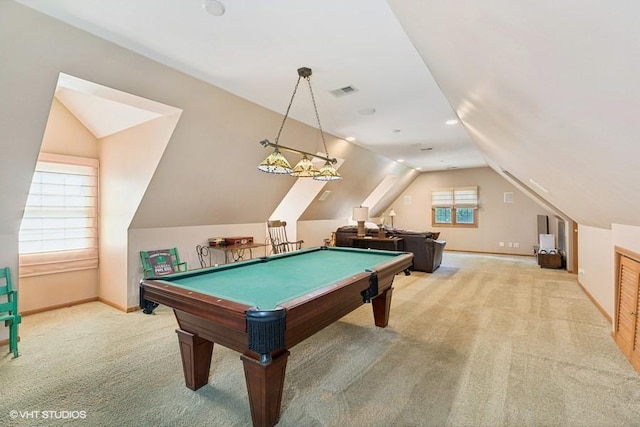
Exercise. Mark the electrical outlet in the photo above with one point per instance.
(516, 245)
(501, 244)
(510, 244)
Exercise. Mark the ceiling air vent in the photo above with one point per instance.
(347, 90)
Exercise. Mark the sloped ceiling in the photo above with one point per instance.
(548, 90)
(91, 111)
(105, 111)
(255, 48)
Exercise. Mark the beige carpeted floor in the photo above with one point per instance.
(484, 341)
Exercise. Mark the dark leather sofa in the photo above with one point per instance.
(426, 248)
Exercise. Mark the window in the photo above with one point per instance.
(59, 230)
(455, 207)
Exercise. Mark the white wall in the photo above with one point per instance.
(514, 223)
(128, 161)
(626, 236)
(596, 265)
(315, 232)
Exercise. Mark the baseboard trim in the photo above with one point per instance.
(487, 253)
(71, 304)
(114, 305)
(57, 306)
(598, 306)
(502, 253)
(118, 307)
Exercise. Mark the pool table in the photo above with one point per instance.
(265, 306)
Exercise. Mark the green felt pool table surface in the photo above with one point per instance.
(266, 284)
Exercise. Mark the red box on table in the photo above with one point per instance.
(238, 240)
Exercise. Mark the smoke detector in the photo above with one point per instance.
(213, 7)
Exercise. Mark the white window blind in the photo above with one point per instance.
(461, 197)
(59, 230)
(465, 197)
(442, 198)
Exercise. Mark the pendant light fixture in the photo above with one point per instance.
(276, 163)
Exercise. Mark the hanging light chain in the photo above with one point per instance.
(286, 114)
(315, 108)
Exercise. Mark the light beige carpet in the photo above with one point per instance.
(484, 341)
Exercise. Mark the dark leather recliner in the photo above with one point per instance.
(427, 251)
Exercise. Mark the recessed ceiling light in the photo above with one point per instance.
(350, 139)
(213, 7)
(400, 160)
(451, 122)
(418, 168)
(367, 111)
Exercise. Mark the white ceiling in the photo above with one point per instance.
(255, 49)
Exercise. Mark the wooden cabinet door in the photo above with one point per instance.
(627, 333)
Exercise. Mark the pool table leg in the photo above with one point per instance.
(381, 308)
(265, 382)
(196, 358)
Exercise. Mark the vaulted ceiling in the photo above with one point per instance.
(545, 92)
(256, 47)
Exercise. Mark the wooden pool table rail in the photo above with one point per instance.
(204, 320)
